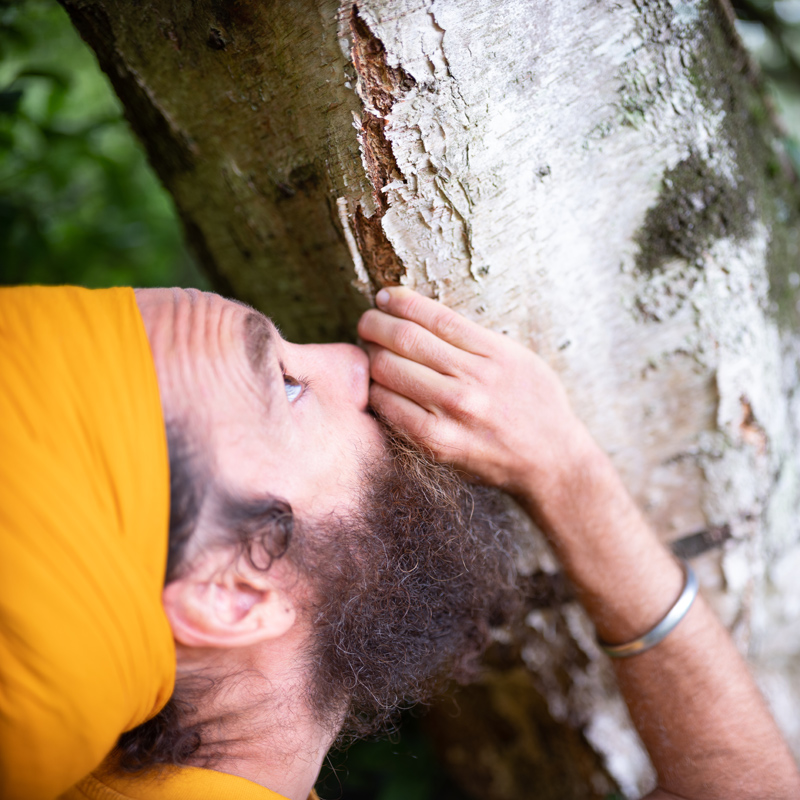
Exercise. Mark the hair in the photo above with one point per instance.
(409, 589)
(404, 591)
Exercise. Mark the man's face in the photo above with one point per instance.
(289, 417)
(408, 566)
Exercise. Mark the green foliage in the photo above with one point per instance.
(401, 768)
(771, 31)
(78, 201)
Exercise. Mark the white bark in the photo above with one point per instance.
(529, 150)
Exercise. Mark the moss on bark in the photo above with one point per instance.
(697, 205)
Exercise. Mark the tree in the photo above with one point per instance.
(604, 181)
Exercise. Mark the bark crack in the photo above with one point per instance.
(380, 86)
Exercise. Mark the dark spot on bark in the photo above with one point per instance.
(171, 35)
(215, 41)
(546, 590)
(230, 13)
(303, 178)
(696, 544)
(169, 148)
(696, 207)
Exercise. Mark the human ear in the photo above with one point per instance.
(223, 604)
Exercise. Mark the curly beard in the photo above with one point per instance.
(402, 595)
(406, 589)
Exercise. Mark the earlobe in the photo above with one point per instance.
(224, 609)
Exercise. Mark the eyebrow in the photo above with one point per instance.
(259, 336)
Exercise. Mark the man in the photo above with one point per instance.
(277, 553)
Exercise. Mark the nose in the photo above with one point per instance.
(347, 366)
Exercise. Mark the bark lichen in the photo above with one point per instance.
(697, 206)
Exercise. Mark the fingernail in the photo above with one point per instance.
(382, 298)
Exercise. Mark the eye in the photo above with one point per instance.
(293, 387)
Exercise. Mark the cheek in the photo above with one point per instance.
(252, 455)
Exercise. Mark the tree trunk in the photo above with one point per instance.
(603, 181)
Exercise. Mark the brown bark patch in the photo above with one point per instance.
(695, 544)
(380, 259)
(751, 431)
(380, 86)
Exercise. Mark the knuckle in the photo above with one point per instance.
(367, 322)
(424, 427)
(446, 323)
(379, 364)
(406, 338)
(457, 401)
(468, 405)
(410, 305)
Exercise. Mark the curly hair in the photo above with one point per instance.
(404, 592)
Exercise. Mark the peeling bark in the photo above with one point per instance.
(603, 181)
(380, 85)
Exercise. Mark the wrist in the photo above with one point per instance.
(554, 490)
(624, 577)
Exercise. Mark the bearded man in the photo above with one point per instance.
(320, 570)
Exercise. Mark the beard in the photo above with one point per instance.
(406, 590)
(403, 593)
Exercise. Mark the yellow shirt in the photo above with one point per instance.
(180, 783)
(86, 651)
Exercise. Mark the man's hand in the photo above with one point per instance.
(475, 398)
(496, 410)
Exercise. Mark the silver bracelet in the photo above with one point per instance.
(663, 628)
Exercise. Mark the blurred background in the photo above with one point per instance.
(78, 201)
(79, 204)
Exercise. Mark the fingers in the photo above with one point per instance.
(441, 321)
(419, 383)
(407, 415)
(410, 340)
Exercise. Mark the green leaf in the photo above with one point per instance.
(10, 100)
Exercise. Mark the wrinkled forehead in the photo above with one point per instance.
(205, 346)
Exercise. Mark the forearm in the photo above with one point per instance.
(691, 697)
(445, 381)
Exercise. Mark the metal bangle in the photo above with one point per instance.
(663, 628)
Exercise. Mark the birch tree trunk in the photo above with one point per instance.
(602, 181)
